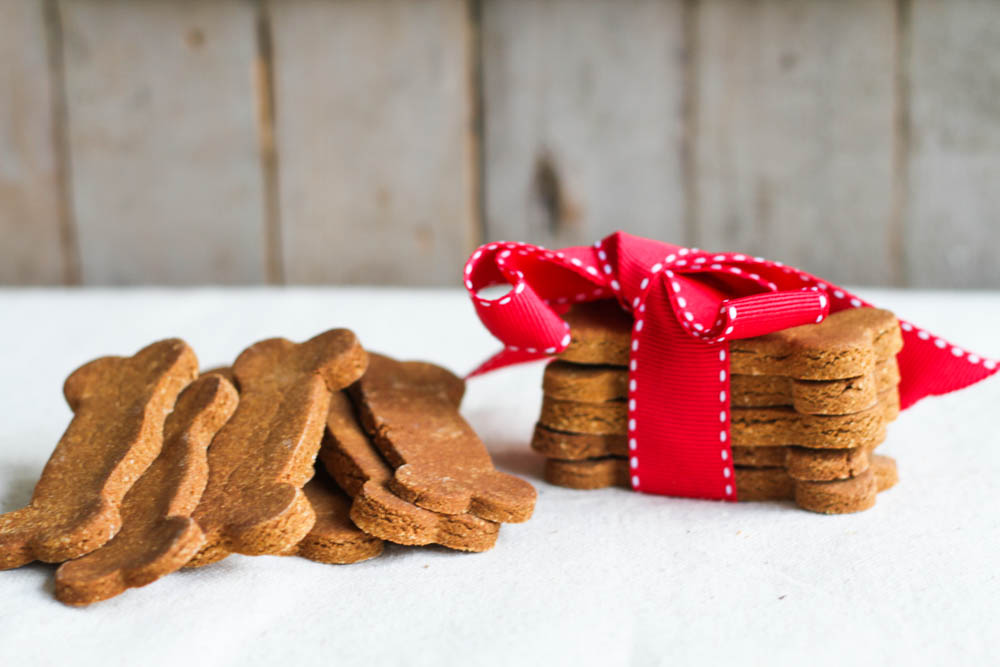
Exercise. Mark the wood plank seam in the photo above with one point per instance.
(69, 244)
(264, 81)
(899, 271)
(474, 10)
(689, 114)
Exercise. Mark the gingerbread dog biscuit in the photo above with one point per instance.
(762, 457)
(260, 460)
(846, 344)
(815, 397)
(600, 333)
(360, 470)
(801, 462)
(849, 495)
(749, 426)
(784, 426)
(333, 539)
(607, 418)
(410, 409)
(595, 384)
(587, 384)
(555, 444)
(119, 406)
(824, 465)
(158, 535)
(760, 484)
(752, 484)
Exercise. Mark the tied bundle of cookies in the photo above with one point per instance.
(809, 406)
(721, 376)
(162, 467)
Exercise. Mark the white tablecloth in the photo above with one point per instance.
(604, 577)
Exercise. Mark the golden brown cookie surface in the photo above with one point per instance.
(752, 484)
(599, 333)
(585, 383)
(607, 418)
(158, 535)
(801, 462)
(840, 497)
(556, 444)
(334, 538)
(410, 409)
(356, 465)
(595, 384)
(847, 344)
(752, 427)
(825, 465)
(784, 426)
(760, 457)
(260, 460)
(119, 406)
(885, 471)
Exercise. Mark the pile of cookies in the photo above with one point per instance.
(162, 467)
(808, 407)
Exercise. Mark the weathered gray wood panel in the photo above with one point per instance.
(583, 119)
(165, 168)
(857, 143)
(953, 213)
(377, 165)
(31, 241)
(794, 133)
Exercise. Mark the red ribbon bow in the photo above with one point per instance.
(686, 304)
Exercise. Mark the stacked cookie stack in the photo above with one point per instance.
(163, 468)
(808, 407)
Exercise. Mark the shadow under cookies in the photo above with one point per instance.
(516, 458)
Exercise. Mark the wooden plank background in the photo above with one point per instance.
(583, 116)
(163, 141)
(33, 249)
(794, 131)
(339, 141)
(374, 140)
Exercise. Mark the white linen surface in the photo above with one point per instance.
(605, 577)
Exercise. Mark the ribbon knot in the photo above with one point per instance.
(686, 305)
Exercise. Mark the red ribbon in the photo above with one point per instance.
(686, 304)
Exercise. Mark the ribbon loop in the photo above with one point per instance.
(761, 314)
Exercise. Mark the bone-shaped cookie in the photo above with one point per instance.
(784, 426)
(119, 406)
(352, 460)
(158, 535)
(410, 410)
(260, 460)
(802, 463)
(748, 426)
(752, 484)
(600, 333)
(595, 384)
(334, 538)
(845, 345)
(815, 397)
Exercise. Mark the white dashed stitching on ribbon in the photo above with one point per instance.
(633, 365)
(723, 417)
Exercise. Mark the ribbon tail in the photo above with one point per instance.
(502, 359)
(932, 368)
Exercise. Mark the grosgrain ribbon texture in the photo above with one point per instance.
(686, 305)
